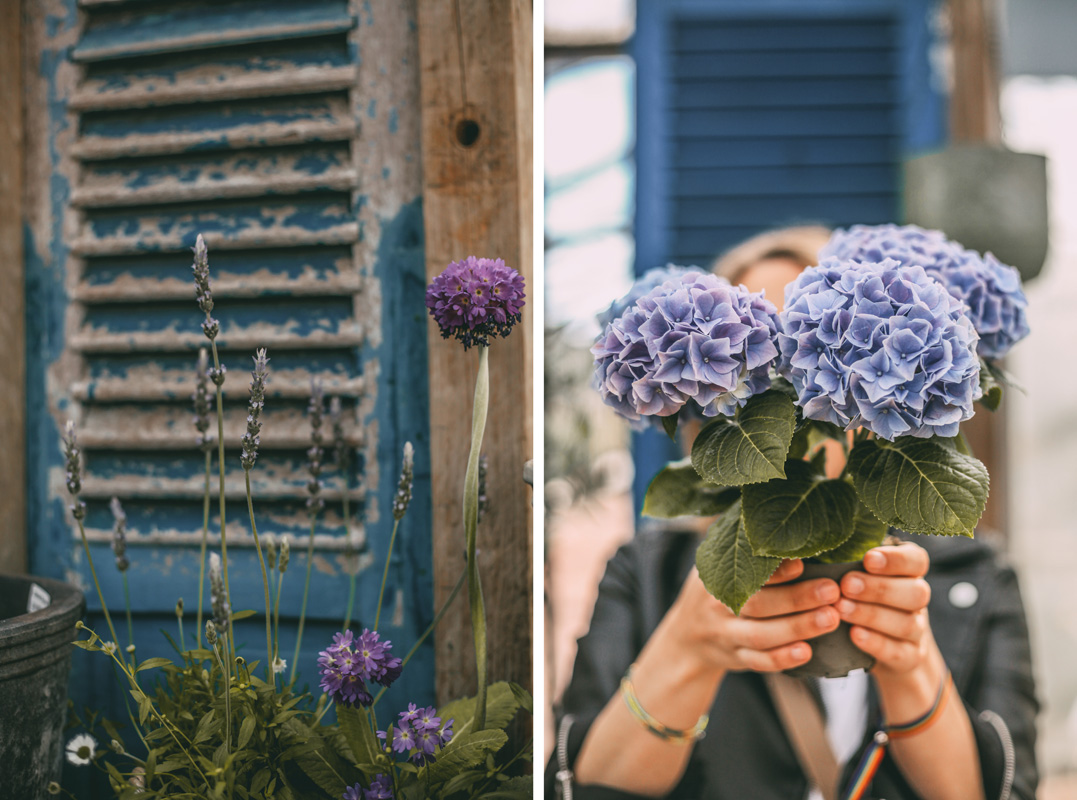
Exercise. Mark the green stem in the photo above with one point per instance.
(355, 574)
(220, 470)
(471, 519)
(271, 678)
(276, 615)
(306, 593)
(385, 573)
(179, 621)
(202, 560)
(93, 573)
(226, 676)
(429, 629)
(130, 627)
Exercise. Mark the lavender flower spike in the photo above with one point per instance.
(403, 489)
(202, 291)
(475, 299)
(250, 440)
(200, 398)
(316, 453)
(285, 552)
(218, 596)
(74, 472)
(119, 535)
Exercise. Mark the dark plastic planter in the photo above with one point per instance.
(833, 654)
(35, 658)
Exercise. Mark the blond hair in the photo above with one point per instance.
(800, 244)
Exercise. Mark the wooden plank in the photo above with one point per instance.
(12, 299)
(475, 58)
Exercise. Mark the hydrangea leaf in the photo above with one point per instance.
(920, 485)
(868, 532)
(799, 516)
(466, 750)
(669, 425)
(749, 448)
(992, 389)
(678, 491)
(727, 566)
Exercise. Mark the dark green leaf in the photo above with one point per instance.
(749, 448)
(153, 663)
(868, 532)
(669, 425)
(920, 485)
(523, 697)
(992, 389)
(798, 516)
(501, 706)
(679, 491)
(465, 751)
(355, 725)
(727, 566)
(245, 731)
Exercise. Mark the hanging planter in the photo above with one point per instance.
(35, 658)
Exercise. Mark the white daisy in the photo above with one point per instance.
(279, 665)
(109, 647)
(81, 749)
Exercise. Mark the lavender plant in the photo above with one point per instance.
(211, 727)
(880, 350)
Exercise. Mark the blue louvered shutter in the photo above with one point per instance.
(756, 115)
(240, 120)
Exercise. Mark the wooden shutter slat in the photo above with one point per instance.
(164, 386)
(151, 289)
(191, 488)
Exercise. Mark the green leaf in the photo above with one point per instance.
(868, 532)
(523, 697)
(501, 706)
(679, 491)
(798, 516)
(727, 566)
(236, 617)
(920, 485)
(355, 725)
(154, 663)
(749, 448)
(465, 751)
(669, 425)
(992, 389)
(245, 731)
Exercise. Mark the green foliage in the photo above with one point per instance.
(920, 485)
(727, 566)
(678, 490)
(868, 532)
(749, 448)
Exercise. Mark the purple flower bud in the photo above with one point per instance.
(250, 439)
(403, 489)
(200, 398)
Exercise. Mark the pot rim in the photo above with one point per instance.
(67, 603)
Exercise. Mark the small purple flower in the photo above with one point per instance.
(381, 788)
(692, 340)
(348, 663)
(420, 733)
(990, 290)
(475, 299)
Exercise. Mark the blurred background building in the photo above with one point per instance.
(676, 129)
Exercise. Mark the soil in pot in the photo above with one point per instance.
(833, 654)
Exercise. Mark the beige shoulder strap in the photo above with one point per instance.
(804, 724)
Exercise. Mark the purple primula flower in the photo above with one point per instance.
(475, 299)
(691, 341)
(381, 788)
(353, 793)
(990, 290)
(348, 663)
(906, 364)
(420, 733)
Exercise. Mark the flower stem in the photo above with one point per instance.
(93, 573)
(355, 574)
(471, 520)
(265, 585)
(276, 616)
(385, 574)
(220, 470)
(306, 593)
(226, 676)
(130, 627)
(202, 567)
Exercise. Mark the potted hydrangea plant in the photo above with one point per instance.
(884, 348)
(214, 725)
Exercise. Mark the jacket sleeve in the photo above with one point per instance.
(602, 657)
(1003, 708)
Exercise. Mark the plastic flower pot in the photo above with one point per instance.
(35, 658)
(833, 654)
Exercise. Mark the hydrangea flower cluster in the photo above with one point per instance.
(881, 346)
(653, 277)
(349, 663)
(475, 299)
(694, 338)
(381, 788)
(420, 732)
(990, 289)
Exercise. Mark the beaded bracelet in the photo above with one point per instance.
(873, 756)
(663, 732)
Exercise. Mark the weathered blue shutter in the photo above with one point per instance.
(241, 120)
(756, 115)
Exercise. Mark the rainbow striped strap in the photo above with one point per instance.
(672, 735)
(873, 755)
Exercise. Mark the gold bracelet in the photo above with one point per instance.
(663, 732)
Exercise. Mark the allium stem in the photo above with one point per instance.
(306, 595)
(385, 574)
(272, 678)
(471, 520)
(202, 559)
(220, 469)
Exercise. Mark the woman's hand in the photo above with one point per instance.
(773, 628)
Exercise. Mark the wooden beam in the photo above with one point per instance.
(476, 89)
(12, 298)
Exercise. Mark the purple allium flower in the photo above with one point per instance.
(693, 340)
(119, 534)
(476, 298)
(250, 439)
(881, 346)
(348, 663)
(653, 277)
(990, 290)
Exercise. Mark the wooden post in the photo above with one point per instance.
(476, 89)
(974, 117)
(13, 556)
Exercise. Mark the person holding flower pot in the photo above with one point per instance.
(826, 425)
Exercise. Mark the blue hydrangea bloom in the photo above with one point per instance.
(879, 345)
(693, 340)
(653, 277)
(990, 289)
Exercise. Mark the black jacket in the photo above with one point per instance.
(746, 753)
